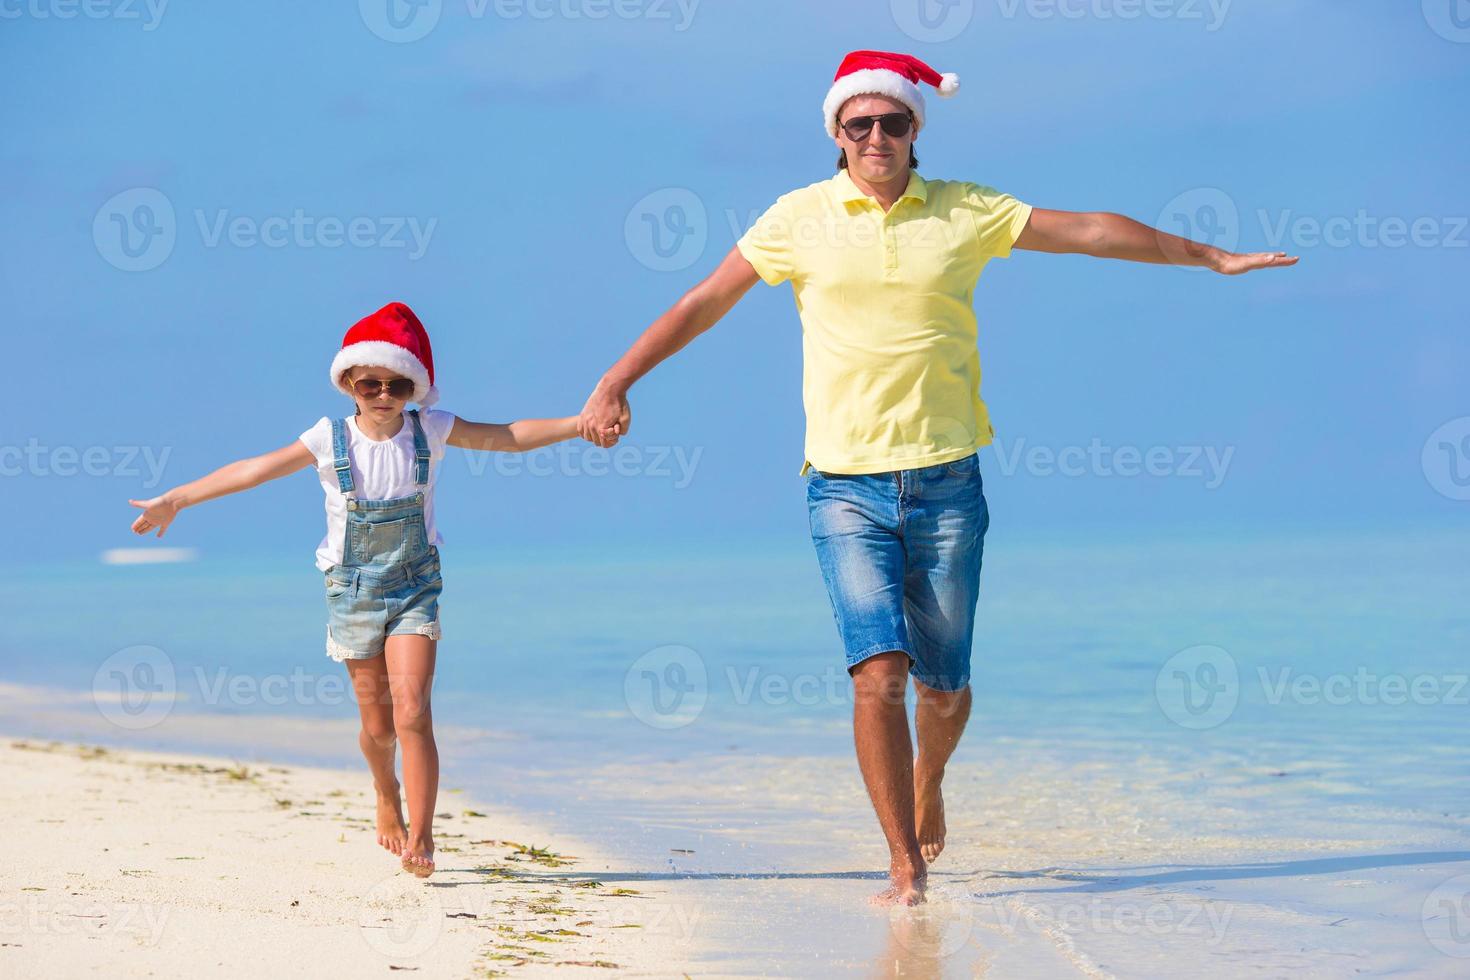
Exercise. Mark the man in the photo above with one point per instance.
(883, 264)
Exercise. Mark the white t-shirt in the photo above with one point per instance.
(380, 469)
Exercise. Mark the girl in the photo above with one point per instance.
(380, 556)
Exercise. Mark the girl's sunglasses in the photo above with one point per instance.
(399, 388)
(895, 124)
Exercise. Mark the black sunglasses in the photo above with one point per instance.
(399, 388)
(895, 124)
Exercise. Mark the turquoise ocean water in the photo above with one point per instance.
(1329, 668)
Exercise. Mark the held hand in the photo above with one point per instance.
(158, 514)
(1235, 263)
(605, 418)
(625, 417)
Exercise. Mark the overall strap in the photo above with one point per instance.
(420, 450)
(340, 462)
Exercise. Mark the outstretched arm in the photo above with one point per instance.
(605, 416)
(511, 437)
(159, 512)
(1114, 236)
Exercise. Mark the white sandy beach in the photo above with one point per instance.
(739, 864)
(132, 864)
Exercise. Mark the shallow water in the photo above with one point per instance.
(1214, 705)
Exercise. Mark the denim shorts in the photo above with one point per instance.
(900, 552)
(366, 605)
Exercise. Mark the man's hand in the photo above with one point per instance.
(606, 416)
(1114, 236)
(1234, 263)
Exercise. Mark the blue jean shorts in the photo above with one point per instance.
(900, 552)
(366, 605)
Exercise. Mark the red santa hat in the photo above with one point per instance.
(391, 338)
(896, 76)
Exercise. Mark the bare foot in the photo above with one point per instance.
(392, 834)
(908, 878)
(418, 856)
(929, 816)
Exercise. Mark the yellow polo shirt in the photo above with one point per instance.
(891, 376)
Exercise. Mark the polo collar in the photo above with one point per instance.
(848, 192)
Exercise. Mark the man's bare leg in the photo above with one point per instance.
(880, 727)
(939, 717)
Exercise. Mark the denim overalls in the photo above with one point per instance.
(388, 580)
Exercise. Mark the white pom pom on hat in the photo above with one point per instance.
(887, 73)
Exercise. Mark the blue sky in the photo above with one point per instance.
(494, 174)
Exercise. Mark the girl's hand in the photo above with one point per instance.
(158, 514)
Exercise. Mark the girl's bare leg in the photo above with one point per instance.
(410, 659)
(379, 744)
